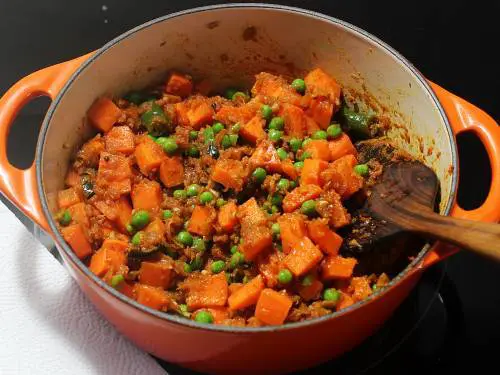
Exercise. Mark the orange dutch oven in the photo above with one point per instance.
(229, 44)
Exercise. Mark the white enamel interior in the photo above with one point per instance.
(286, 42)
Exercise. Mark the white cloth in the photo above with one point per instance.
(47, 325)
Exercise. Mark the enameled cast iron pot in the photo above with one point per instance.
(230, 43)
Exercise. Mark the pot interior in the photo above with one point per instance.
(231, 44)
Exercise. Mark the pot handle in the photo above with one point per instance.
(20, 185)
(464, 116)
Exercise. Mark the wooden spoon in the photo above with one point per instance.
(404, 199)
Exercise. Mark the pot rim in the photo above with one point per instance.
(174, 319)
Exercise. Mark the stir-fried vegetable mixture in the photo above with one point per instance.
(222, 209)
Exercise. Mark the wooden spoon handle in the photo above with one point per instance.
(481, 238)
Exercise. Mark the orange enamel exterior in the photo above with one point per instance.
(227, 352)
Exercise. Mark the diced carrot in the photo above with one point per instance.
(91, 151)
(156, 226)
(247, 295)
(328, 241)
(75, 237)
(361, 287)
(321, 84)
(253, 130)
(295, 120)
(156, 274)
(114, 175)
(288, 169)
(312, 291)
(99, 263)
(318, 149)
(172, 171)
(256, 236)
(119, 246)
(124, 214)
(303, 257)
(72, 178)
(292, 229)
(250, 214)
(321, 112)
(120, 139)
(310, 173)
(78, 214)
(311, 126)
(206, 291)
(233, 287)
(155, 298)
(126, 288)
(202, 220)
(148, 155)
(230, 173)
(299, 195)
(345, 301)
(227, 218)
(342, 178)
(337, 267)
(146, 195)
(199, 115)
(341, 146)
(179, 84)
(270, 264)
(229, 114)
(272, 307)
(271, 86)
(265, 156)
(68, 197)
(336, 213)
(103, 114)
(109, 257)
(220, 314)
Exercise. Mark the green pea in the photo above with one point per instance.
(277, 123)
(64, 218)
(305, 155)
(295, 144)
(299, 85)
(374, 287)
(276, 199)
(234, 249)
(199, 244)
(334, 130)
(307, 280)
(204, 317)
(362, 170)
(236, 128)
(180, 194)
(234, 139)
(218, 127)
(193, 152)
(282, 153)
(136, 239)
(228, 94)
(298, 164)
(259, 175)
(331, 294)
(206, 197)
(274, 209)
(130, 229)
(218, 266)
(275, 228)
(185, 238)
(283, 184)
(306, 141)
(208, 135)
(245, 279)
(167, 214)
(220, 202)
(192, 190)
(193, 135)
(240, 94)
(320, 134)
(169, 144)
(285, 276)
(308, 207)
(226, 141)
(266, 111)
(116, 280)
(187, 268)
(236, 259)
(140, 219)
(275, 135)
(293, 184)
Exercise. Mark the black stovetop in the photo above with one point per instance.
(452, 320)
